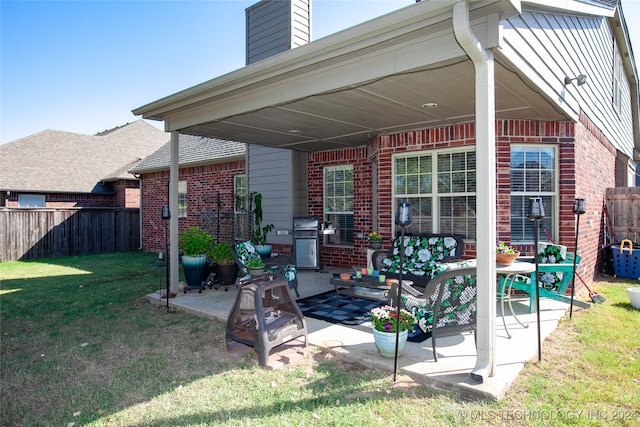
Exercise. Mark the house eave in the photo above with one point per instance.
(312, 58)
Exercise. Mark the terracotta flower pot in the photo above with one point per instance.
(506, 259)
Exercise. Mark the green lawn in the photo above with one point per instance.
(80, 344)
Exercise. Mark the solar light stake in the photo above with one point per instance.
(536, 213)
(579, 207)
(403, 219)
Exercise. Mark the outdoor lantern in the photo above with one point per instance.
(165, 214)
(403, 216)
(579, 207)
(536, 208)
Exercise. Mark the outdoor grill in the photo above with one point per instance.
(265, 315)
(306, 243)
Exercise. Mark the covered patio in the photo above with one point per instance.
(427, 65)
(456, 354)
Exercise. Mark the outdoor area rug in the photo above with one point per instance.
(348, 311)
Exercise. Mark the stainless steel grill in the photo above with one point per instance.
(306, 243)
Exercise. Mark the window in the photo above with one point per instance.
(240, 193)
(533, 174)
(182, 199)
(446, 204)
(618, 78)
(338, 204)
(31, 201)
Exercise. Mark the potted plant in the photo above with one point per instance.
(225, 266)
(255, 267)
(194, 243)
(375, 239)
(505, 255)
(385, 324)
(259, 235)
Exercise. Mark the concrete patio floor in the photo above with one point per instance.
(456, 353)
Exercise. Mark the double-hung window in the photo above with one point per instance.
(533, 174)
(338, 204)
(240, 193)
(441, 187)
(182, 199)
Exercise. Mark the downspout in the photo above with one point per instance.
(485, 194)
(173, 208)
(140, 211)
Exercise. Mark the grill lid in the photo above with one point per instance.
(305, 222)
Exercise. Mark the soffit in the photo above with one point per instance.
(344, 90)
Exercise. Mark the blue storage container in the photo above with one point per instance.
(626, 261)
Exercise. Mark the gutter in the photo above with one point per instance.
(483, 63)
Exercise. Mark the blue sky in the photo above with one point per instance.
(82, 66)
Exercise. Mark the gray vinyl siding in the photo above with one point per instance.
(270, 172)
(275, 26)
(546, 47)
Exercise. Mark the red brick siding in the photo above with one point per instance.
(203, 185)
(127, 196)
(587, 166)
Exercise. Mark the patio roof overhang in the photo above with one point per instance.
(345, 89)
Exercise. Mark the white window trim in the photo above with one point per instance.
(324, 202)
(435, 196)
(30, 198)
(555, 194)
(235, 191)
(182, 213)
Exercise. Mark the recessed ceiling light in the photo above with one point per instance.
(294, 131)
(429, 105)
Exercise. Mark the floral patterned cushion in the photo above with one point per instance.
(442, 267)
(457, 306)
(551, 254)
(246, 252)
(421, 254)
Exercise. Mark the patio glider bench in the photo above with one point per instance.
(448, 304)
(555, 267)
(245, 251)
(422, 254)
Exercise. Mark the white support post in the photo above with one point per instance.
(174, 260)
(483, 62)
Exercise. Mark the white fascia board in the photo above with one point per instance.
(582, 7)
(389, 32)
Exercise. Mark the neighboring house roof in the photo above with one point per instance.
(193, 150)
(54, 161)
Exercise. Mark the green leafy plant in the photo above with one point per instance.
(385, 319)
(255, 263)
(221, 254)
(502, 248)
(194, 241)
(259, 235)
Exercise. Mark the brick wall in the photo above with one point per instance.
(127, 196)
(587, 168)
(69, 200)
(203, 185)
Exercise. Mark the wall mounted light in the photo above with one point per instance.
(581, 79)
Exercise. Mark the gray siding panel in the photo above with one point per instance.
(546, 47)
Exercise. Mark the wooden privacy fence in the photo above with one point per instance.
(48, 233)
(623, 204)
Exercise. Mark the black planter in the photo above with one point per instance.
(226, 273)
